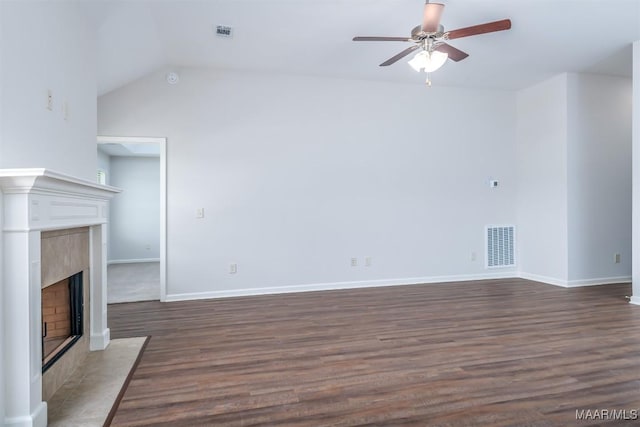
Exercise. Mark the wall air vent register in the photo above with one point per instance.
(500, 248)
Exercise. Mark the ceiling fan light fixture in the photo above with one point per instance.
(428, 61)
(418, 61)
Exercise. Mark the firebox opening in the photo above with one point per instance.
(62, 318)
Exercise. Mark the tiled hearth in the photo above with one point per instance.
(43, 212)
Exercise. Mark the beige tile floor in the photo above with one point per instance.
(86, 398)
(133, 282)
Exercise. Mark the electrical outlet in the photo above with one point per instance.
(367, 261)
(200, 213)
(473, 256)
(616, 258)
(354, 262)
(233, 268)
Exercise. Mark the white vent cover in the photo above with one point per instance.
(500, 246)
(224, 31)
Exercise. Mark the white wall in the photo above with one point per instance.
(599, 171)
(47, 46)
(542, 180)
(134, 229)
(636, 175)
(574, 179)
(297, 175)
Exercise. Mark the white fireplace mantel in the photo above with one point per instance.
(44, 199)
(32, 201)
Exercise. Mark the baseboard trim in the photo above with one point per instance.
(229, 293)
(37, 419)
(598, 282)
(336, 286)
(132, 261)
(543, 279)
(634, 300)
(575, 283)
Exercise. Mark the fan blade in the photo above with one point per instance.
(454, 54)
(431, 19)
(489, 27)
(381, 39)
(399, 56)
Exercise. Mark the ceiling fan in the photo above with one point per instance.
(430, 39)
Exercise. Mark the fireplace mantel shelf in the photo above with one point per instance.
(28, 180)
(41, 199)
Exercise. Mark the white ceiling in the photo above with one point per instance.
(314, 37)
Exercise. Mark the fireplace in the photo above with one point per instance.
(45, 218)
(62, 318)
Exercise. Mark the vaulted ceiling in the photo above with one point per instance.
(313, 37)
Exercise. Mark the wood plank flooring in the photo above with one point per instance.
(495, 353)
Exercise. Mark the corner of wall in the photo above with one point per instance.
(599, 178)
(635, 242)
(543, 279)
(541, 140)
(2, 381)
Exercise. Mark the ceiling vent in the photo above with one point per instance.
(224, 31)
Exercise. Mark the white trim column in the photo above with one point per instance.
(100, 333)
(2, 322)
(635, 165)
(22, 315)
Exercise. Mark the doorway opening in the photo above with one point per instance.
(137, 219)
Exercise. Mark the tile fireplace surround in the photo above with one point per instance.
(33, 201)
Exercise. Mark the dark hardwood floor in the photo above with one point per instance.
(494, 353)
